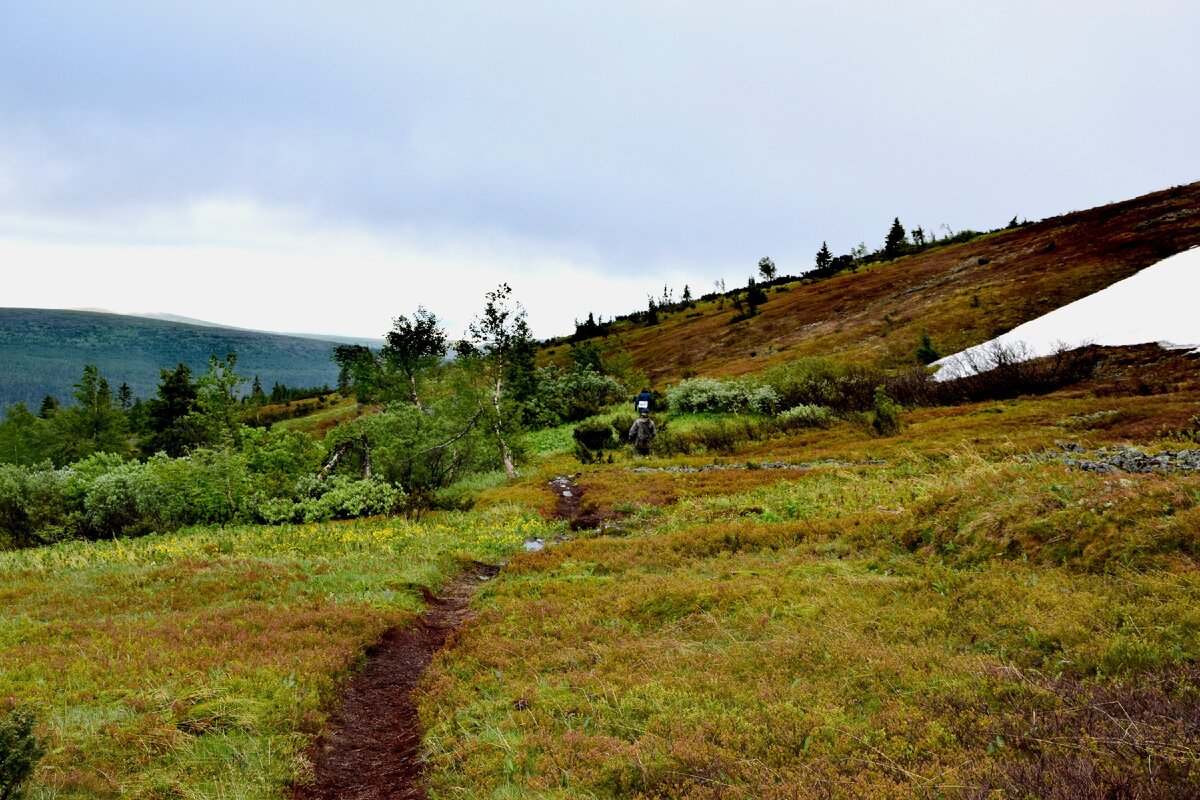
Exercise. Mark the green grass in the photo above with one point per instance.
(550, 441)
(797, 641)
(198, 664)
(930, 614)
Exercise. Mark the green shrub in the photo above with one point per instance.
(623, 422)
(346, 499)
(927, 353)
(20, 751)
(336, 497)
(592, 438)
(813, 381)
(571, 395)
(697, 395)
(124, 500)
(805, 416)
(33, 505)
(885, 416)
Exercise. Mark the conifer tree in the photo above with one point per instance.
(124, 397)
(166, 414)
(897, 238)
(651, 312)
(48, 407)
(824, 257)
(257, 396)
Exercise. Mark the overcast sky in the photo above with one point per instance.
(287, 166)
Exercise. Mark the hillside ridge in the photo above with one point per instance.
(43, 351)
(958, 294)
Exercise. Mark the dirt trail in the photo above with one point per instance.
(373, 749)
(570, 505)
(373, 752)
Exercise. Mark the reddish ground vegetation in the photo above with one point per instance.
(1135, 738)
(373, 752)
(960, 294)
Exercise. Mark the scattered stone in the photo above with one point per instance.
(764, 465)
(1123, 458)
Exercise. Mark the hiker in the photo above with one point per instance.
(642, 403)
(642, 433)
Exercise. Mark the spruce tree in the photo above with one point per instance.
(897, 238)
(824, 258)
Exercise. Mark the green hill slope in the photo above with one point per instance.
(44, 351)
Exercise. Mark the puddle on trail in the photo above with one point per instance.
(533, 545)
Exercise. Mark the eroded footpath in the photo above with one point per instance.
(373, 751)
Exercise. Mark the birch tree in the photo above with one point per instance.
(497, 337)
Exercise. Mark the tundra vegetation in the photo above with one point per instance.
(832, 577)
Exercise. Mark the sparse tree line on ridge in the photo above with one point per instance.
(745, 301)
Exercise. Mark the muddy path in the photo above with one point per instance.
(373, 750)
(570, 505)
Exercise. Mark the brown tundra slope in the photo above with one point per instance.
(960, 295)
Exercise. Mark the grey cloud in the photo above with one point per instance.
(643, 133)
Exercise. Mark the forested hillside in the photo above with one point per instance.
(43, 352)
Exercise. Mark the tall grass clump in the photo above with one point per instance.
(592, 438)
(885, 414)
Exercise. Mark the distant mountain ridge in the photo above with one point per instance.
(43, 351)
(166, 317)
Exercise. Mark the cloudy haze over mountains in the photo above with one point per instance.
(285, 166)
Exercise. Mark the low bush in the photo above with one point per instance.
(698, 395)
(813, 381)
(571, 395)
(623, 422)
(592, 438)
(805, 416)
(885, 416)
(344, 498)
(33, 504)
(20, 751)
(336, 497)
(719, 436)
(103, 496)
(127, 499)
(996, 372)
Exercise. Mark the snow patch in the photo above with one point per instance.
(1160, 304)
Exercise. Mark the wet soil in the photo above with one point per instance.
(373, 752)
(571, 506)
